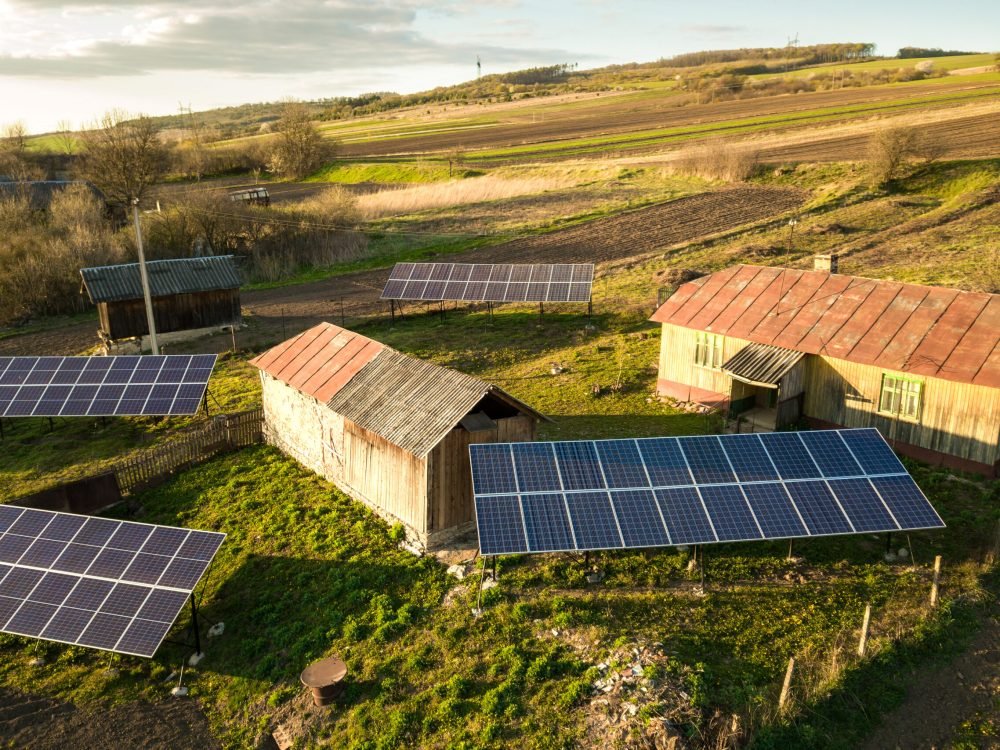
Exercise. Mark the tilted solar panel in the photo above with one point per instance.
(490, 282)
(650, 492)
(172, 384)
(97, 582)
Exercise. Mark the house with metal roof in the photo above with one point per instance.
(777, 347)
(390, 430)
(190, 295)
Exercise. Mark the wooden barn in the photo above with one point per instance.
(390, 430)
(191, 295)
(778, 347)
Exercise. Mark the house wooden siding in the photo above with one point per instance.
(960, 420)
(123, 319)
(957, 419)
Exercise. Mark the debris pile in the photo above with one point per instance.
(640, 701)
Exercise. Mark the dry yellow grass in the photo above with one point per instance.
(453, 193)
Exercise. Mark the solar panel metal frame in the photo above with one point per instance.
(490, 282)
(612, 469)
(43, 585)
(113, 386)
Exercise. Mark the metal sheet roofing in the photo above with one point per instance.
(762, 364)
(166, 277)
(923, 330)
(409, 402)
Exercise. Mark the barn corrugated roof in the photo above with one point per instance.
(166, 277)
(411, 403)
(761, 364)
(923, 330)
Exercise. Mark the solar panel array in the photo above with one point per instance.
(650, 492)
(171, 384)
(96, 582)
(484, 282)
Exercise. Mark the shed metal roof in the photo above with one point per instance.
(922, 330)
(166, 277)
(762, 364)
(411, 403)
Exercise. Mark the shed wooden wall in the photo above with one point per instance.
(449, 476)
(958, 419)
(177, 312)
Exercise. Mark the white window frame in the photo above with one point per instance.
(901, 397)
(708, 348)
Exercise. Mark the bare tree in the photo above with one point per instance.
(65, 138)
(14, 157)
(299, 147)
(123, 156)
(15, 138)
(889, 150)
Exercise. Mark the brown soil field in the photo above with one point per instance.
(613, 116)
(284, 311)
(31, 721)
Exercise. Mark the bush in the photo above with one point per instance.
(719, 160)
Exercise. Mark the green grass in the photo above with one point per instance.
(951, 62)
(390, 172)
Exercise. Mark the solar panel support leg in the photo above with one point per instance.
(194, 625)
(204, 402)
(790, 543)
(493, 563)
(442, 311)
(541, 309)
(701, 567)
(52, 425)
(1, 429)
(888, 542)
(392, 313)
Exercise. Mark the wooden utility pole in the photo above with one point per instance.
(144, 278)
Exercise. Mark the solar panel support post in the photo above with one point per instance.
(791, 556)
(392, 313)
(52, 425)
(144, 277)
(701, 567)
(888, 542)
(194, 624)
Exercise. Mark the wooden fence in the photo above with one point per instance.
(223, 434)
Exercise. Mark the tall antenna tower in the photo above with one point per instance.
(794, 41)
(479, 67)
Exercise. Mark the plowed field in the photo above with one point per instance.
(288, 310)
(621, 115)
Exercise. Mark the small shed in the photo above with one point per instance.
(390, 430)
(193, 295)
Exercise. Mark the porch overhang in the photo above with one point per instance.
(762, 365)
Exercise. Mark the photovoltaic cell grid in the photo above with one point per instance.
(480, 282)
(171, 384)
(96, 582)
(650, 492)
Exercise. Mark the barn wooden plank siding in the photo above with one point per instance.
(188, 294)
(935, 350)
(384, 427)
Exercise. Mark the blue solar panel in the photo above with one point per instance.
(830, 453)
(730, 514)
(652, 492)
(862, 505)
(664, 462)
(622, 464)
(749, 459)
(707, 460)
(593, 520)
(546, 523)
(818, 508)
(907, 503)
(578, 465)
(774, 510)
(501, 530)
(687, 522)
(535, 466)
(872, 452)
(639, 518)
(790, 456)
(492, 469)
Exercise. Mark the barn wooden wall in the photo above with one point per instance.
(449, 477)
(677, 348)
(178, 312)
(956, 418)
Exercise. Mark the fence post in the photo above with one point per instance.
(937, 577)
(787, 684)
(863, 643)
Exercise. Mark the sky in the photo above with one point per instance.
(73, 60)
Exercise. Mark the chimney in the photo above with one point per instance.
(825, 263)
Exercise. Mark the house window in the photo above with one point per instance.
(708, 350)
(901, 397)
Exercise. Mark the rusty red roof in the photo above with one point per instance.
(409, 402)
(924, 330)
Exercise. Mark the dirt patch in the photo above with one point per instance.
(940, 699)
(31, 721)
